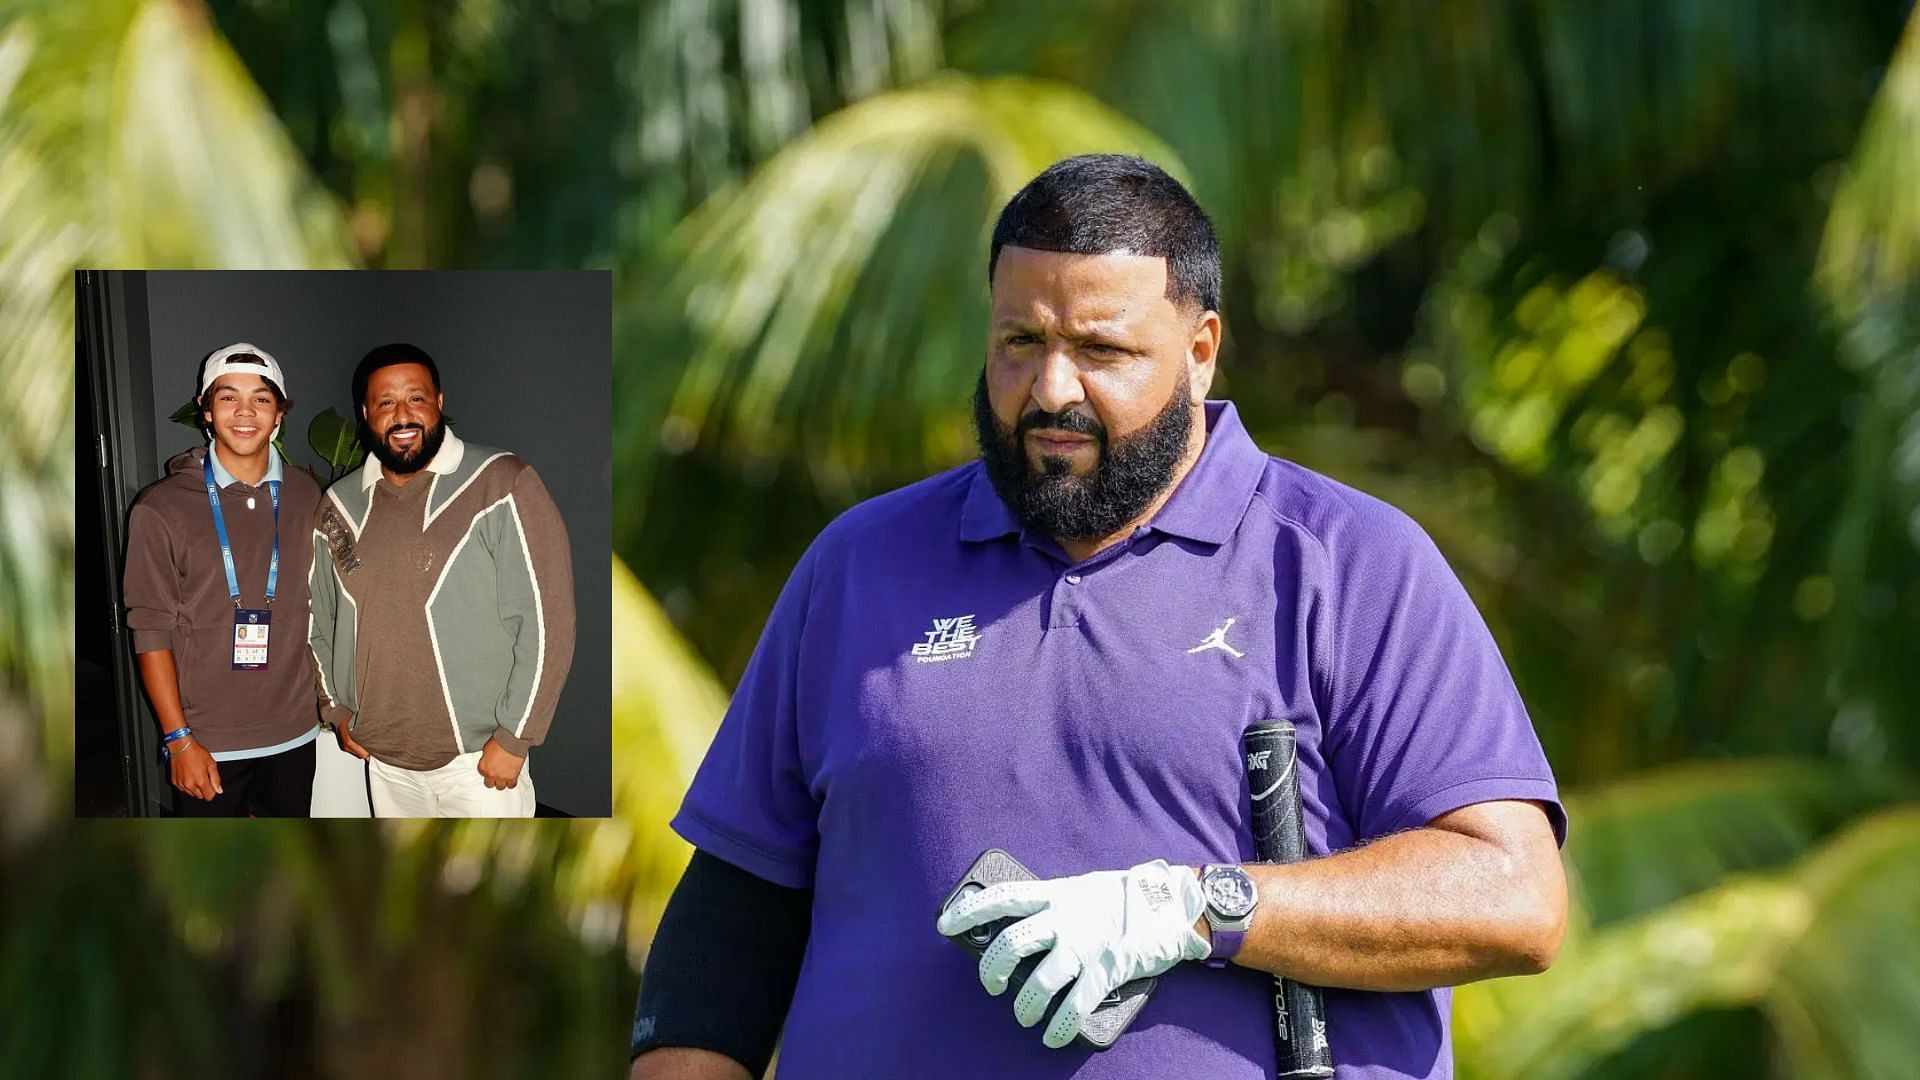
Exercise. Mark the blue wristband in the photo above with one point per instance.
(168, 738)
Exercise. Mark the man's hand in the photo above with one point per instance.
(347, 743)
(194, 770)
(499, 767)
(1104, 929)
(190, 765)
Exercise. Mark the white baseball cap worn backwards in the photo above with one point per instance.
(222, 363)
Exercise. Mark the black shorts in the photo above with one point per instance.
(278, 785)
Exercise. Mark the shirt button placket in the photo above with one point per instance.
(1066, 605)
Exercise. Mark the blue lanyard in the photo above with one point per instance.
(220, 527)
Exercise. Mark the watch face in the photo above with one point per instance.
(1229, 891)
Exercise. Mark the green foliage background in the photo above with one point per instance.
(1620, 300)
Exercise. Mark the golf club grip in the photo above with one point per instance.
(1279, 836)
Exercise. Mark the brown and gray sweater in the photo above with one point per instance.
(176, 594)
(442, 608)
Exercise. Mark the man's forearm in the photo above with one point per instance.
(686, 1063)
(1423, 908)
(162, 682)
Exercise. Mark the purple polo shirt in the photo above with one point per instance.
(934, 681)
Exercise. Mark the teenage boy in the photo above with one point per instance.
(216, 588)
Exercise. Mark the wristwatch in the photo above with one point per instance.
(1230, 896)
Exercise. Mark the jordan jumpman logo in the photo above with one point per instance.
(1218, 640)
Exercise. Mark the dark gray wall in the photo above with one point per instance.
(525, 361)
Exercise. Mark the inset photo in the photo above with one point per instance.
(346, 553)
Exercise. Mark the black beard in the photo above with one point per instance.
(1129, 473)
(404, 464)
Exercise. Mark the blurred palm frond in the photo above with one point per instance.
(1655, 837)
(1827, 948)
(856, 216)
(199, 171)
(1872, 242)
(1869, 271)
(37, 249)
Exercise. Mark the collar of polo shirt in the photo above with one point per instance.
(1207, 505)
(224, 479)
(445, 460)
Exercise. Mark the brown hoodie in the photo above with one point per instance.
(176, 594)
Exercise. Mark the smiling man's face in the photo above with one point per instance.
(402, 413)
(242, 410)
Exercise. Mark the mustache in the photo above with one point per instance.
(1072, 422)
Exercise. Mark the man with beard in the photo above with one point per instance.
(442, 622)
(1055, 651)
(205, 550)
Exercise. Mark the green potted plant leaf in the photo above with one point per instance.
(336, 440)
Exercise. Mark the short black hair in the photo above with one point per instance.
(380, 356)
(1102, 204)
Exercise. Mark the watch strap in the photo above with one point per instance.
(1226, 945)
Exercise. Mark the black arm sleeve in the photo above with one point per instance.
(722, 969)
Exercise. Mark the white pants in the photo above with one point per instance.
(454, 790)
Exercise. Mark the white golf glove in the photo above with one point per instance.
(1103, 929)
